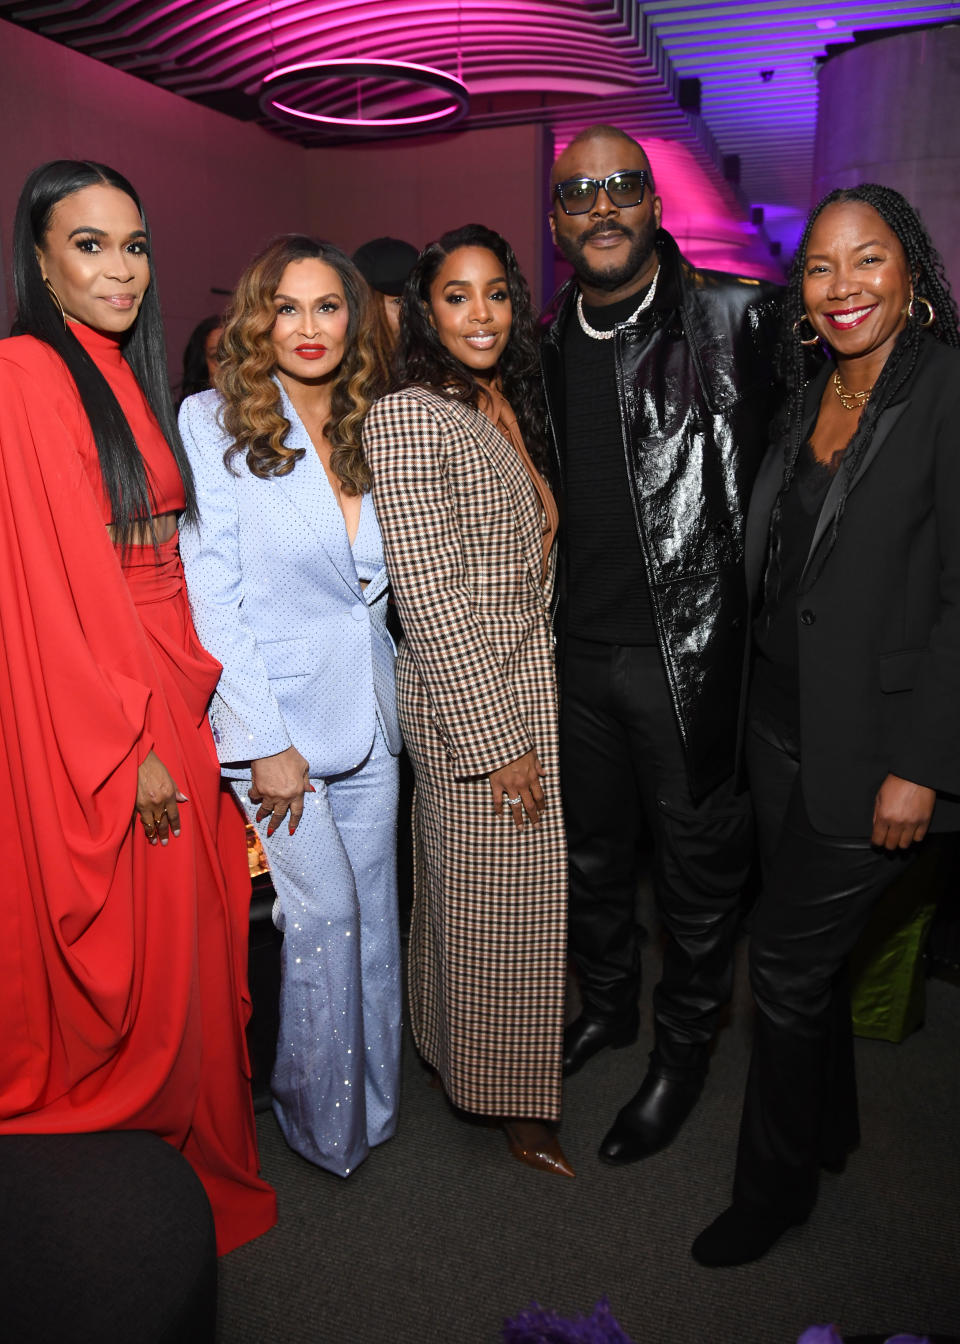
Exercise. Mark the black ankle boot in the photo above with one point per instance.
(651, 1119)
(586, 1036)
(740, 1235)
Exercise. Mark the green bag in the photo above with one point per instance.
(887, 983)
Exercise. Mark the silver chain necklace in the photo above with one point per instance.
(646, 301)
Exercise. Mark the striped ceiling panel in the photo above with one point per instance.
(563, 62)
(770, 122)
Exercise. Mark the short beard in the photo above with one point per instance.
(642, 245)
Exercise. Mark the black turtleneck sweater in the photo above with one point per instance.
(608, 600)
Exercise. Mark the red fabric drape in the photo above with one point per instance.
(122, 966)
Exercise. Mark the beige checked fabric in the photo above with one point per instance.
(461, 526)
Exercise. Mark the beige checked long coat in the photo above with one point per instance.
(461, 525)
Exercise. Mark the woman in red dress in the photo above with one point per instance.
(123, 961)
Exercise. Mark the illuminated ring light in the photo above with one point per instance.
(279, 82)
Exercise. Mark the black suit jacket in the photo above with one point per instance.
(879, 626)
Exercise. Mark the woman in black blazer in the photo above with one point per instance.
(852, 737)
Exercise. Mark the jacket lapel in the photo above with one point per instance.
(764, 496)
(309, 491)
(831, 503)
(518, 486)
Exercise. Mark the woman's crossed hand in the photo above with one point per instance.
(157, 799)
(278, 784)
(901, 813)
(518, 785)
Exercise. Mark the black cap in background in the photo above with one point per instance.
(385, 264)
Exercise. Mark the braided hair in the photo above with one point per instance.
(797, 364)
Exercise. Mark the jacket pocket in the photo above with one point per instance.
(288, 657)
(898, 671)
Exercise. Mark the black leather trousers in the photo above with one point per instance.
(800, 1108)
(622, 765)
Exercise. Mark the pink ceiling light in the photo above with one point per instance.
(399, 95)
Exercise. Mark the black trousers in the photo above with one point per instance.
(800, 1108)
(622, 763)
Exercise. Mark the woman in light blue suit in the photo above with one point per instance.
(288, 589)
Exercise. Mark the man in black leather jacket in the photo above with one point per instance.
(659, 387)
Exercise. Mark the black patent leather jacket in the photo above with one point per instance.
(696, 389)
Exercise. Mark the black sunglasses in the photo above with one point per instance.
(578, 194)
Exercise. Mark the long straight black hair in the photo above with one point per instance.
(121, 465)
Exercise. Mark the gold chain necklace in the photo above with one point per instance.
(850, 401)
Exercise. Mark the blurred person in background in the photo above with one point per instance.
(200, 358)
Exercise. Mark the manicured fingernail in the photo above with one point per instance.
(165, 842)
(175, 829)
(182, 797)
(270, 830)
(291, 829)
(310, 789)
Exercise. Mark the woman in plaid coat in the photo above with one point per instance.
(468, 524)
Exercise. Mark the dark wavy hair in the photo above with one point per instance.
(424, 361)
(798, 364)
(121, 465)
(251, 411)
(196, 375)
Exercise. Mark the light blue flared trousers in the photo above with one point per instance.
(335, 1082)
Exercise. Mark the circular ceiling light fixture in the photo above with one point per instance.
(399, 96)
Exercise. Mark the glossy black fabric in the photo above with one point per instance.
(623, 765)
(695, 385)
(800, 1108)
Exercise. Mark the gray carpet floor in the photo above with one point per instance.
(441, 1234)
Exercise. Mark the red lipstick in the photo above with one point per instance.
(845, 319)
(311, 351)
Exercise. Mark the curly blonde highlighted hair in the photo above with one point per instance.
(251, 411)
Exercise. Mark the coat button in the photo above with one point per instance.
(359, 612)
(807, 617)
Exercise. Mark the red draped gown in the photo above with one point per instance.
(123, 993)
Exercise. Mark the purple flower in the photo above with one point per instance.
(537, 1326)
(827, 1334)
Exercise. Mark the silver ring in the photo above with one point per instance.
(515, 802)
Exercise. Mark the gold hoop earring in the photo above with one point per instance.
(56, 298)
(812, 340)
(931, 315)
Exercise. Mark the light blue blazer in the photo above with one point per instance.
(276, 597)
